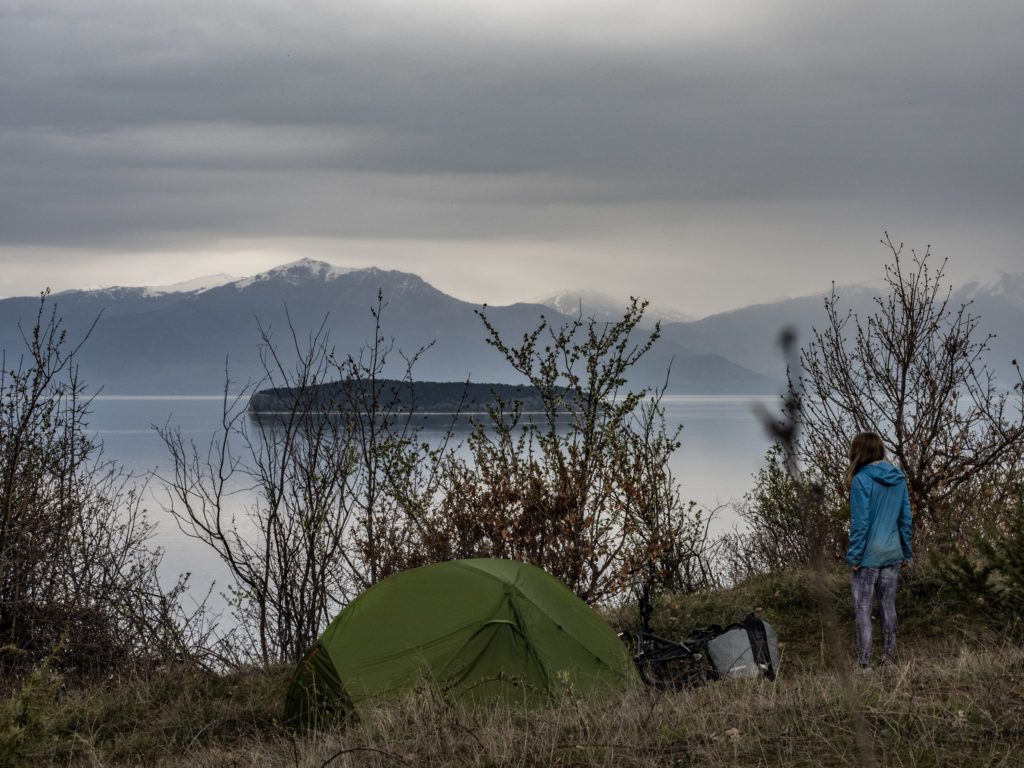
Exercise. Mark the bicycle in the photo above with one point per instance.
(670, 665)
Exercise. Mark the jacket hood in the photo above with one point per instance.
(883, 472)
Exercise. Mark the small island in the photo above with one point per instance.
(424, 397)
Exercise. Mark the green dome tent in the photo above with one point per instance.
(478, 628)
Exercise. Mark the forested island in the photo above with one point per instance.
(446, 397)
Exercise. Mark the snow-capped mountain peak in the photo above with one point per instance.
(298, 271)
(1005, 286)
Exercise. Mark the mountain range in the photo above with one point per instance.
(749, 335)
(181, 339)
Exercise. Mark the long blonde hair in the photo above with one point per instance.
(865, 448)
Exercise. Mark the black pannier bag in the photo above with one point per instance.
(744, 650)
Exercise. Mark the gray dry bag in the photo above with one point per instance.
(748, 649)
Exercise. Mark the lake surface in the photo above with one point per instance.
(723, 445)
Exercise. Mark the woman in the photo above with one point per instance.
(880, 532)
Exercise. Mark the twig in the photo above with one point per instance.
(349, 750)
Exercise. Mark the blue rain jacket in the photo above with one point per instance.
(880, 522)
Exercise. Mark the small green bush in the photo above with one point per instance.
(991, 580)
(24, 723)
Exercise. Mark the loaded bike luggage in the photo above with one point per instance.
(747, 649)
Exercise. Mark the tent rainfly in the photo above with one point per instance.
(482, 629)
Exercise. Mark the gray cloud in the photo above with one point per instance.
(669, 133)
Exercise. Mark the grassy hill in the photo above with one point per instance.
(956, 697)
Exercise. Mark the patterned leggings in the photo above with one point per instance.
(866, 583)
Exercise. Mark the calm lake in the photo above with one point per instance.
(723, 446)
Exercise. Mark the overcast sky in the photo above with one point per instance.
(703, 154)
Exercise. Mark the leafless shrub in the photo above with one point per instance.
(774, 535)
(914, 371)
(339, 485)
(581, 489)
(78, 578)
(398, 474)
(669, 548)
